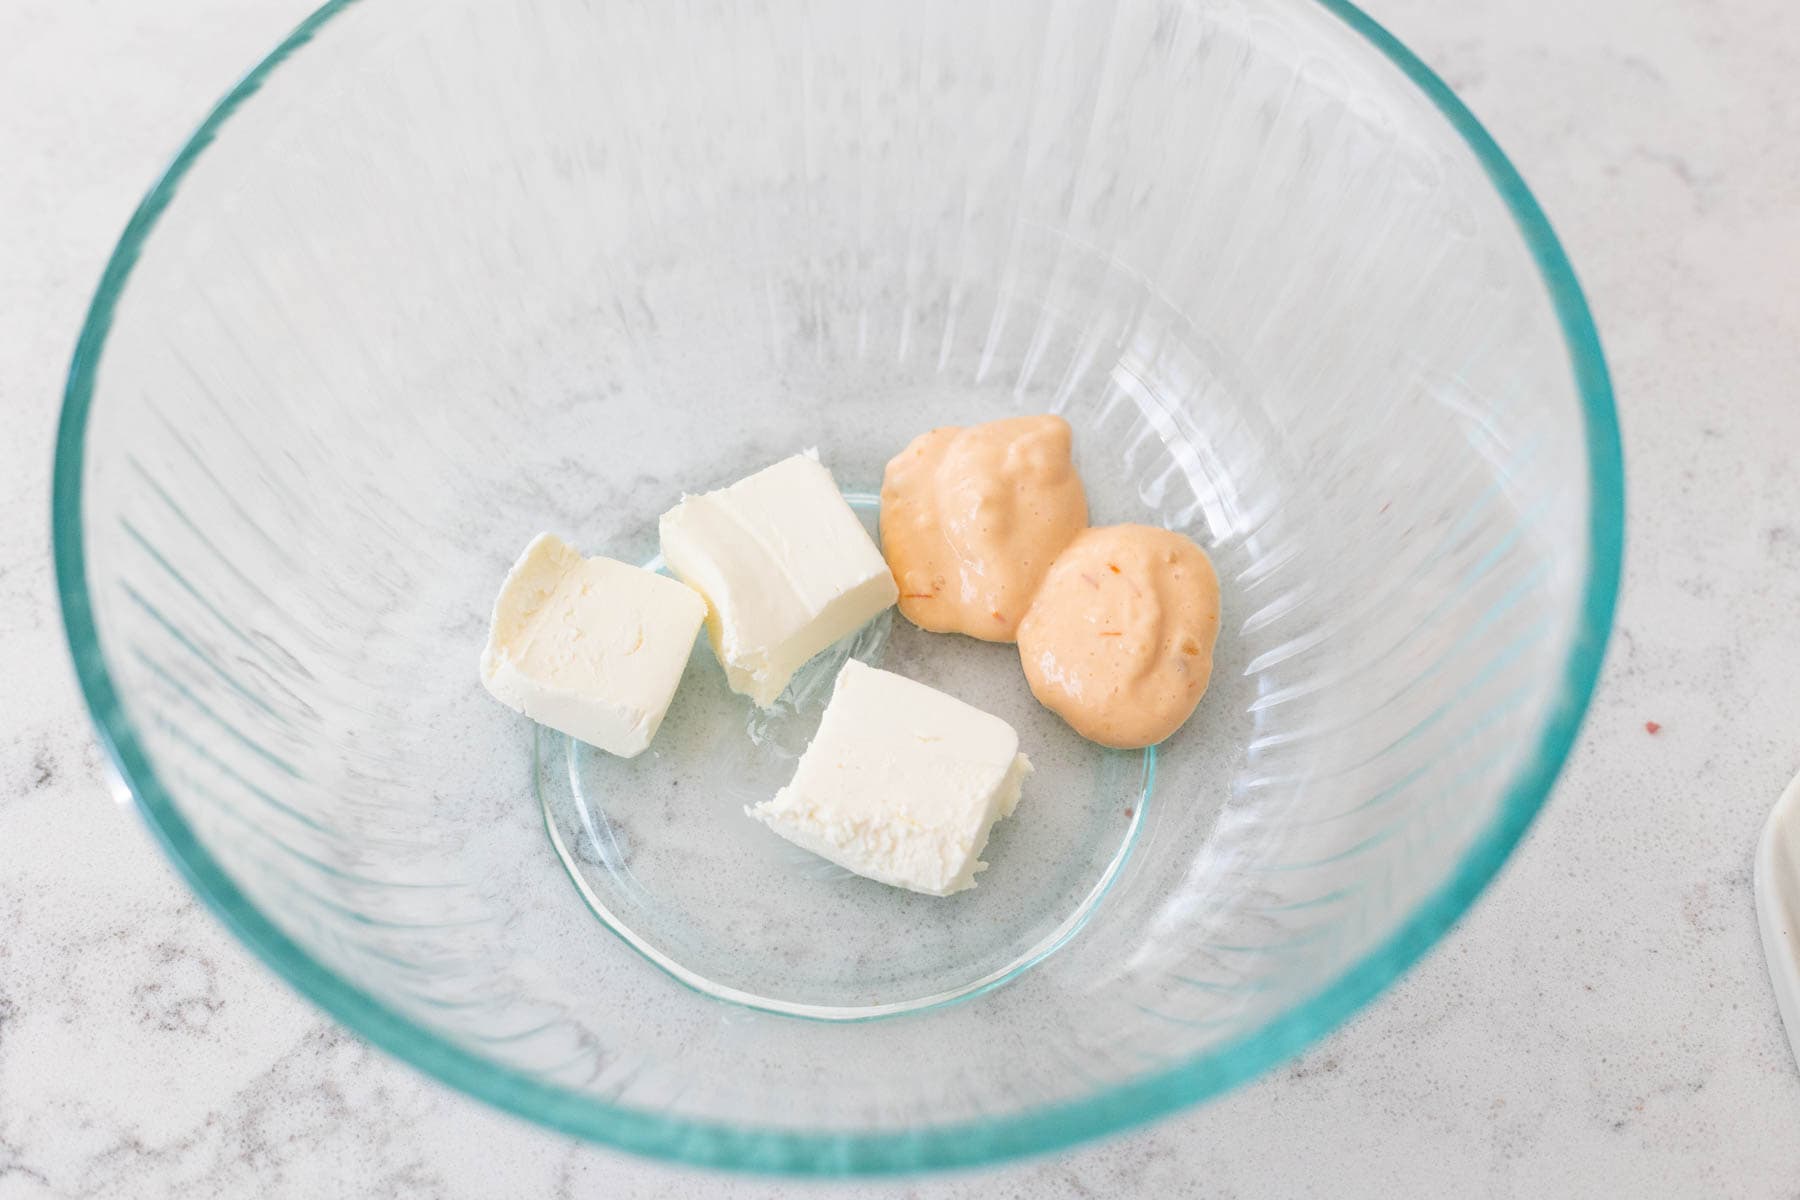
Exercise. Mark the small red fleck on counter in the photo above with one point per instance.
(1652, 728)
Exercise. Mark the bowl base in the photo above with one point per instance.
(661, 850)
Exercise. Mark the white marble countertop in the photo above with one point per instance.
(1601, 1025)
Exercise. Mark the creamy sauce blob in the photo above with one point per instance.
(1119, 639)
(972, 518)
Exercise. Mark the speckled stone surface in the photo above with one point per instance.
(1601, 1025)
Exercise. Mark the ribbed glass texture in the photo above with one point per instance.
(440, 275)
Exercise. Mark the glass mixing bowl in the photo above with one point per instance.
(438, 276)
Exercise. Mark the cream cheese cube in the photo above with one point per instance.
(785, 567)
(588, 646)
(902, 784)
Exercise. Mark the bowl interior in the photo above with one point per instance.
(440, 276)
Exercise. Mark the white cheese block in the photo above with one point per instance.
(590, 647)
(902, 784)
(785, 566)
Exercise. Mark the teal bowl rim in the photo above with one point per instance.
(1037, 1130)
